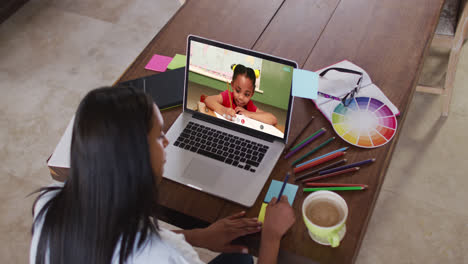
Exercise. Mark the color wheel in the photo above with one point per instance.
(365, 122)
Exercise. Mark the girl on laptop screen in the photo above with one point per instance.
(105, 211)
(228, 103)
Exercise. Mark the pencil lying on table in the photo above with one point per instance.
(299, 134)
(319, 161)
(309, 137)
(313, 151)
(309, 174)
(355, 188)
(324, 155)
(331, 174)
(305, 142)
(356, 164)
(315, 184)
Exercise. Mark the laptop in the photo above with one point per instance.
(231, 159)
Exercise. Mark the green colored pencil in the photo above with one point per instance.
(353, 188)
(302, 142)
(313, 151)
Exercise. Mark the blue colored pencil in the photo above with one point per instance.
(322, 131)
(282, 187)
(314, 159)
(344, 167)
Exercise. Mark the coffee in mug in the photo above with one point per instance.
(324, 214)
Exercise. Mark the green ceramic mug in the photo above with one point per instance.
(325, 215)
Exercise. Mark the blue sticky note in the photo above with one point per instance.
(305, 84)
(275, 188)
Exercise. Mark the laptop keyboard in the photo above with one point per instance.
(233, 150)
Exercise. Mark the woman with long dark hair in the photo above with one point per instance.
(105, 211)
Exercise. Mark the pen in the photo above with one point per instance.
(282, 187)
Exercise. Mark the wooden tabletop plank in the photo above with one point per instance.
(295, 29)
(236, 22)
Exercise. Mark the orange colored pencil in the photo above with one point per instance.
(229, 94)
(331, 174)
(315, 184)
(319, 161)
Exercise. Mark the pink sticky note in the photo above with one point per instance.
(158, 63)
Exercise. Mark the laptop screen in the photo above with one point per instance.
(243, 87)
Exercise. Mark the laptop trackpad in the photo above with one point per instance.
(202, 172)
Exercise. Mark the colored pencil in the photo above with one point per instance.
(356, 164)
(319, 161)
(282, 187)
(331, 174)
(324, 155)
(311, 138)
(313, 151)
(334, 164)
(314, 184)
(355, 188)
(299, 134)
(229, 94)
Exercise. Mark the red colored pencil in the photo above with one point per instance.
(315, 184)
(319, 161)
(331, 174)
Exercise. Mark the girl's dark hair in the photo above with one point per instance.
(249, 73)
(110, 195)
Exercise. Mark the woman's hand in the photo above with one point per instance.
(219, 235)
(279, 217)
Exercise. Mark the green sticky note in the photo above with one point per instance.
(177, 62)
(275, 188)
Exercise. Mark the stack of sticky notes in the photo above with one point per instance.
(275, 187)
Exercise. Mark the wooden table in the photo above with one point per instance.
(387, 38)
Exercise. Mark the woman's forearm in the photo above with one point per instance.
(269, 248)
(193, 236)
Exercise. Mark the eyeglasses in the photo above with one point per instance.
(348, 98)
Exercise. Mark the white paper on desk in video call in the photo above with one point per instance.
(254, 124)
(61, 156)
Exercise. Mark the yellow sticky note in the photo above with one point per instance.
(261, 215)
